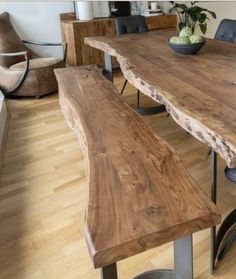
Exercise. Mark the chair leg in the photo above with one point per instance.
(138, 98)
(124, 85)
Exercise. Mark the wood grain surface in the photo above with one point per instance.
(198, 90)
(140, 195)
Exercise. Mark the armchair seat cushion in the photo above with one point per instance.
(37, 63)
(40, 79)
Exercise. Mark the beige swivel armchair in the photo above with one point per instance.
(23, 72)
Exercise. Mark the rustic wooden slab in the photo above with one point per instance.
(140, 195)
(199, 91)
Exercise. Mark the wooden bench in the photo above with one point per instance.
(140, 194)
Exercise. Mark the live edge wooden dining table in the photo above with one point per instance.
(198, 91)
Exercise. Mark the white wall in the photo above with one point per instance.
(38, 21)
(223, 9)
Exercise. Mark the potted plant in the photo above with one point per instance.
(192, 16)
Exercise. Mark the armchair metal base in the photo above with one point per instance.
(10, 92)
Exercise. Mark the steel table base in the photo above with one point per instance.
(108, 73)
(150, 110)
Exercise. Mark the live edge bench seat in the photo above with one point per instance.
(140, 195)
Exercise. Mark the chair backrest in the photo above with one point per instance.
(130, 24)
(226, 31)
(10, 42)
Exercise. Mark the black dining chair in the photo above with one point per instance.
(227, 32)
(129, 25)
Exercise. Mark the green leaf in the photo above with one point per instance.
(181, 6)
(196, 9)
(193, 14)
(182, 25)
(202, 18)
(203, 27)
(213, 14)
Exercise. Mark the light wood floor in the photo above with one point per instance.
(42, 198)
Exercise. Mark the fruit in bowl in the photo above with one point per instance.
(186, 42)
(186, 32)
(179, 40)
(195, 39)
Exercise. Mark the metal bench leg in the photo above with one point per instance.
(109, 272)
(108, 67)
(183, 263)
(183, 257)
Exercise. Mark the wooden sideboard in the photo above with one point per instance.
(74, 31)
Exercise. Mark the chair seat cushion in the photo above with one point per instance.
(37, 63)
(40, 79)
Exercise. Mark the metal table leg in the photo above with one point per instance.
(108, 66)
(108, 73)
(213, 198)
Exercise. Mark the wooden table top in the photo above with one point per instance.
(199, 91)
(139, 196)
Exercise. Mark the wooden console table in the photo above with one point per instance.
(74, 32)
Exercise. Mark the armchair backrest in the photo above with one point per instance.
(226, 31)
(130, 24)
(10, 42)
